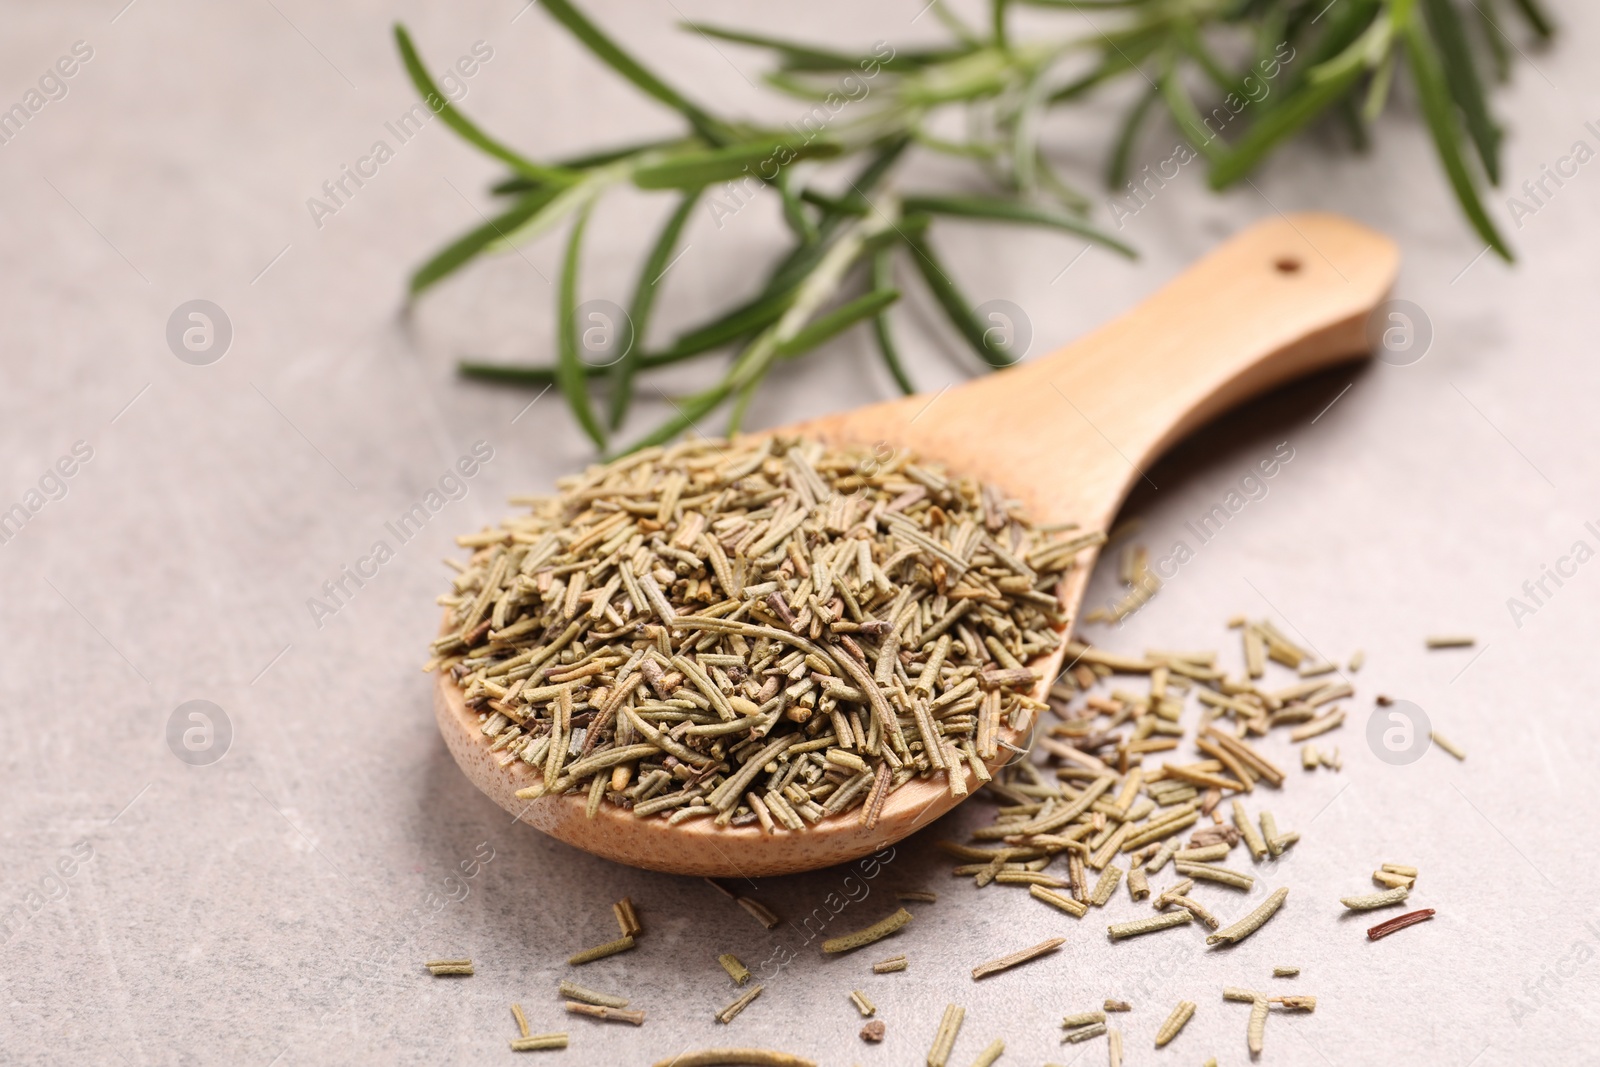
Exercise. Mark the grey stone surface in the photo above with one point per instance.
(274, 906)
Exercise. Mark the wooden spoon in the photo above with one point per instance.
(1068, 435)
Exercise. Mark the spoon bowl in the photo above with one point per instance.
(1068, 435)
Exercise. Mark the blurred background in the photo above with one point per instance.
(218, 395)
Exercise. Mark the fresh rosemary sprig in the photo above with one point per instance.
(1267, 69)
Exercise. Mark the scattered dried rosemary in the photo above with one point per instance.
(600, 1011)
(736, 970)
(574, 991)
(1251, 922)
(600, 952)
(1175, 1022)
(1016, 959)
(726, 1015)
(1397, 895)
(1399, 922)
(944, 1038)
(754, 631)
(876, 932)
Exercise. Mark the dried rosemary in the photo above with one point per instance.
(574, 991)
(759, 912)
(736, 970)
(1175, 1022)
(876, 932)
(1251, 922)
(944, 1038)
(1084, 1033)
(1399, 922)
(754, 632)
(726, 1015)
(601, 1011)
(1437, 641)
(600, 952)
(1005, 963)
(1164, 921)
(1367, 902)
(627, 917)
(991, 1052)
(1057, 900)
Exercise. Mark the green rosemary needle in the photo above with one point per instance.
(867, 107)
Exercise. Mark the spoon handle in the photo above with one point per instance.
(1286, 297)
(1070, 433)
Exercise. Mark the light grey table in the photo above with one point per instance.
(273, 907)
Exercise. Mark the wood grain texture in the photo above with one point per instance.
(1068, 434)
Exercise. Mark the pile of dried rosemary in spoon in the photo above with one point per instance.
(758, 630)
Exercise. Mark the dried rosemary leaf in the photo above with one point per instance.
(1005, 963)
(1399, 922)
(1251, 922)
(1257, 1031)
(1175, 1022)
(726, 1015)
(1105, 886)
(1057, 900)
(600, 952)
(1220, 875)
(759, 911)
(1451, 641)
(736, 970)
(876, 932)
(601, 1011)
(1164, 921)
(1393, 881)
(1368, 901)
(627, 918)
(574, 991)
(944, 1038)
(1448, 745)
(990, 1053)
